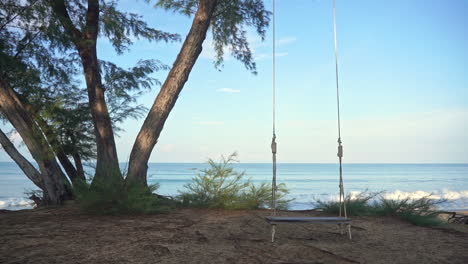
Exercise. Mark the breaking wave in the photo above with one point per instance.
(454, 199)
(16, 203)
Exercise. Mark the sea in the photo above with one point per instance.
(307, 182)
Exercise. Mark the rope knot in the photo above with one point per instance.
(340, 151)
(273, 144)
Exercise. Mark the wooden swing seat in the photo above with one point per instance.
(313, 220)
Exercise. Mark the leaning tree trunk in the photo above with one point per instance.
(56, 187)
(29, 170)
(107, 163)
(79, 165)
(170, 90)
(62, 157)
(53, 141)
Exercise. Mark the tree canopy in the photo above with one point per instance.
(74, 102)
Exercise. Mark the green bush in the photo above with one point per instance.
(421, 212)
(114, 197)
(220, 186)
(359, 205)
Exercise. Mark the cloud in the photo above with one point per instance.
(228, 90)
(280, 42)
(281, 54)
(210, 123)
(208, 51)
(286, 41)
(263, 56)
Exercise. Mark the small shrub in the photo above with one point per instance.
(358, 205)
(255, 197)
(114, 197)
(421, 212)
(220, 186)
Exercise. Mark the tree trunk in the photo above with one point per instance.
(79, 166)
(28, 169)
(170, 90)
(62, 157)
(107, 163)
(56, 187)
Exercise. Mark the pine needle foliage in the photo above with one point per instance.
(358, 205)
(221, 186)
(229, 26)
(421, 212)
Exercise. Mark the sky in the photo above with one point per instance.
(403, 86)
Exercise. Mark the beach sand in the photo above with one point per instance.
(65, 235)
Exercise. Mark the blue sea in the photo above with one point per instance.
(307, 182)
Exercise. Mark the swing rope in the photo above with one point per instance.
(340, 146)
(273, 140)
(342, 200)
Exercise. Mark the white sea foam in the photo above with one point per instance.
(15, 203)
(455, 199)
(443, 194)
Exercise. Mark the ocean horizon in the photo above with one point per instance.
(307, 182)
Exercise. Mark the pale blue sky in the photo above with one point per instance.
(403, 77)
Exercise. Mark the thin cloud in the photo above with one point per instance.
(264, 56)
(210, 123)
(281, 54)
(228, 90)
(286, 41)
(209, 52)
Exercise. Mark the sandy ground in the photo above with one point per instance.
(215, 236)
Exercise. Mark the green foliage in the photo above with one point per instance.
(118, 26)
(359, 205)
(260, 197)
(421, 212)
(114, 197)
(220, 186)
(34, 45)
(228, 26)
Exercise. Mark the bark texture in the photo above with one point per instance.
(107, 163)
(56, 187)
(170, 90)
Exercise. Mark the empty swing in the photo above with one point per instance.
(342, 219)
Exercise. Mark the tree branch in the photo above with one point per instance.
(16, 15)
(60, 10)
(22, 47)
(92, 20)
